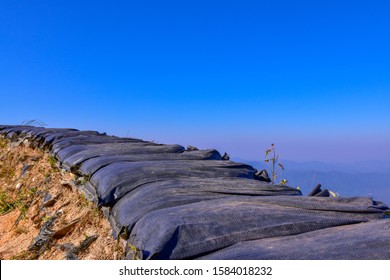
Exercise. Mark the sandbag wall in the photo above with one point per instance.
(177, 203)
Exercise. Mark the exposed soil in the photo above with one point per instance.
(42, 214)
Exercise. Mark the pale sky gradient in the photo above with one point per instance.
(313, 77)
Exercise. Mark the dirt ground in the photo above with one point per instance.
(43, 215)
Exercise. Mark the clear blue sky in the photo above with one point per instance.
(311, 76)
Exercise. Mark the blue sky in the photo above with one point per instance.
(313, 77)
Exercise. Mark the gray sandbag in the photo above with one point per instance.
(164, 194)
(76, 154)
(196, 229)
(366, 241)
(115, 180)
(90, 166)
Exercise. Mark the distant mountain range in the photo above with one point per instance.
(365, 178)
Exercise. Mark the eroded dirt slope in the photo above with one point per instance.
(42, 215)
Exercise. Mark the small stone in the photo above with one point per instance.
(34, 158)
(47, 197)
(65, 230)
(26, 143)
(192, 148)
(18, 186)
(47, 179)
(16, 144)
(33, 211)
(86, 243)
(64, 204)
(49, 201)
(66, 184)
(66, 246)
(25, 169)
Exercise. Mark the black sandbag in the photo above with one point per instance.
(89, 192)
(17, 128)
(21, 133)
(26, 130)
(35, 132)
(5, 130)
(196, 229)
(14, 130)
(315, 190)
(92, 150)
(30, 134)
(2, 127)
(164, 194)
(366, 241)
(89, 140)
(117, 179)
(49, 138)
(74, 155)
(90, 166)
(10, 135)
(17, 133)
(323, 193)
(29, 129)
(40, 132)
(68, 151)
(40, 135)
(43, 131)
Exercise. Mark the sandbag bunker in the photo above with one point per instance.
(170, 202)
